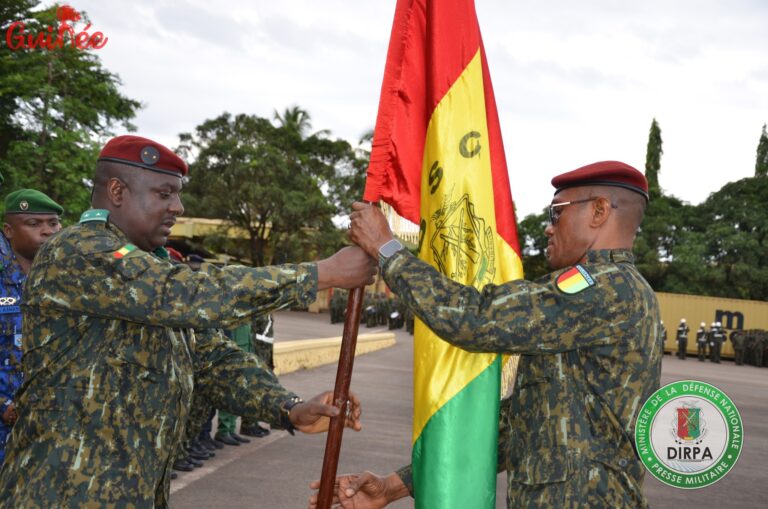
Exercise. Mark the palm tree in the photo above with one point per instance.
(298, 120)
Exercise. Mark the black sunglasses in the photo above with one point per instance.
(554, 212)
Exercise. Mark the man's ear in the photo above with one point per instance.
(601, 210)
(8, 231)
(115, 188)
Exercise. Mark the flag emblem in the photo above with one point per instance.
(688, 424)
(120, 253)
(460, 234)
(574, 280)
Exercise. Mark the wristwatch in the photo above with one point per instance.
(388, 250)
(285, 413)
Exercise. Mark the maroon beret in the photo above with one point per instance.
(174, 254)
(604, 173)
(143, 153)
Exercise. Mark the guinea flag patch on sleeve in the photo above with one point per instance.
(123, 251)
(574, 280)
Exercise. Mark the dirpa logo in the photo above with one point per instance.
(689, 434)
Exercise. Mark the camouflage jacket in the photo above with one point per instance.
(109, 381)
(589, 360)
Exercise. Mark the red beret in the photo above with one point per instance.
(604, 173)
(174, 254)
(143, 153)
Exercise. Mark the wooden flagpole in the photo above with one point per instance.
(340, 396)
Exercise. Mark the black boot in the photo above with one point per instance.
(226, 439)
(210, 444)
(198, 448)
(192, 461)
(240, 439)
(254, 431)
(182, 466)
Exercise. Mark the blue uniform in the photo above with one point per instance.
(11, 281)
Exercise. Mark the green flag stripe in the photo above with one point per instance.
(444, 468)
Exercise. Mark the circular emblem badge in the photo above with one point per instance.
(23, 205)
(149, 155)
(689, 434)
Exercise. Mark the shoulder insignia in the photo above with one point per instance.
(98, 215)
(574, 280)
(124, 251)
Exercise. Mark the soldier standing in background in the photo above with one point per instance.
(338, 303)
(718, 336)
(760, 342)
(738, 340)
(663, 335)
(682, 339)
(31, 218)
(701, 342)
(263, 341)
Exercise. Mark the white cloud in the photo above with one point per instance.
(575, 82)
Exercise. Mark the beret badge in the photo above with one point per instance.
(149, 155)
(23, 205)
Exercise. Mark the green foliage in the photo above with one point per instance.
(56, 108)
(533, 244)
(653, 160)
(666, 220)
(736, 239)
(761, 161)
(273, 181)
(717, 248)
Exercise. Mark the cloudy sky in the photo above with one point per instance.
(576, 81)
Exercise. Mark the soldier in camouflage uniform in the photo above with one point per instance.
(589, 358)
(759, 344)
(110, 356)
(738, 339)
(263, 342)
(31, 217)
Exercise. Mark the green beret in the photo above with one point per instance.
(31, 201)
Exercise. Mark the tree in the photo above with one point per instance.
(735, 226)
(295, 120)
(57, 107)
(653, 160)
(348, 184)
(761, 163)
(268, 180)
(533, 244)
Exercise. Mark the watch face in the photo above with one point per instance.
(390, 248)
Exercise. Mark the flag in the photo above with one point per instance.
(438, 160)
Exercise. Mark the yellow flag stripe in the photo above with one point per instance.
(460, 238)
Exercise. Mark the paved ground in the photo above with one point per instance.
(273, 472)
